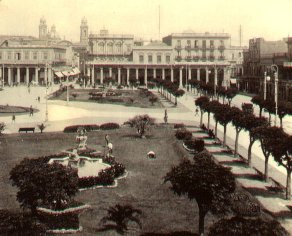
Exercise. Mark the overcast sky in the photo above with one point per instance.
(270, 19)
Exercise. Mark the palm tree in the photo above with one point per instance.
(121, 216)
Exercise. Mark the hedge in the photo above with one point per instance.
(195, 144)
(108, 126)
(183, 134)
(74, 128)
(179, 126)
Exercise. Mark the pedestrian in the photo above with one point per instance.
(13, 118)
(197, 112)
(39, 99)
(110, 148)
(106, 139)
(165, 116)
(30, 111)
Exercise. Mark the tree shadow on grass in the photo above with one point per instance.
(250, 176)
(176, 233)
(235, 162)
(264, 193)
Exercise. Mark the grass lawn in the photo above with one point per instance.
(133, 98)
(163, 212)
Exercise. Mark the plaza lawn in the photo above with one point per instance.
(163, 212)
(133, 98)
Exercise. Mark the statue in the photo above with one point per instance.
(81, 138)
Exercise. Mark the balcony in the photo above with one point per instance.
(211, 58)
(188, 58)
(196, 58)
(178, 47)
(188, 48)
(221, 47)
(204, 58)
(221, 58)
(178, 58)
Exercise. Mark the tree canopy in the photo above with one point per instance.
(141, 123)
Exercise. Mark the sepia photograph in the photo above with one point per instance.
(147, 118)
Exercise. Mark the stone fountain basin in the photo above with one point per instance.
(86, 166)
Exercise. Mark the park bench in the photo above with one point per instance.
(26, 129)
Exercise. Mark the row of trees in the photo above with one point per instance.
(274, 141)
(168, 88)
(284, 108)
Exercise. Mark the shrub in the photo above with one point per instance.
(183, 134)
(19, 224)
(74, 128)
(107, 126)
(2, 127)
(41, 127)
(105, 177)
(195, 144)
(179, 126)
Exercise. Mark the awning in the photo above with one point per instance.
(59, 74)
(66, 73)
(76, 71)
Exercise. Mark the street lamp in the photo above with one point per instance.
(46, 73)
(276, 70)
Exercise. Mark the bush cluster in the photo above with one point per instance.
(183, 134)
(68, 220)
(74, 128)
(179, 126)
(107, 126)
(105, 177)
(195, 144)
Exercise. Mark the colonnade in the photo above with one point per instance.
(181, 74)
(24, 75)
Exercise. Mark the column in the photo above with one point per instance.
(180, 77)
(110, 72)
(216, 76)
(37, 75)
(46, 75)
(27, 76)
(92, 76)
(163, 74)
(101, 75)
(1, 74)
(88, 71)
(154, 73)
(50, 73)
(137, 74)
(190, 73)
(9, 76)
(171, 74)
(128, 76)
(198, 74)
(18, 75)
(207, 75)
(145, 77)
(119, 76)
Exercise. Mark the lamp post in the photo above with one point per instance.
(276, 70)
(67, 88)
(46, 73)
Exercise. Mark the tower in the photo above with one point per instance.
(84, 31)
(53, 32)
(43, 29)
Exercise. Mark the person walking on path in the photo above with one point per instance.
(165, 116)
(30, 111)
(13, 118)
(197, 112)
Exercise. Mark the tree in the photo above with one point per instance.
(132, 81)
(121, 216)
(284, 108)
(74, 95)
(207, 108)
(40, 182)
(260, 102)
(2, 127)
(205, 181)
(221, 93)
(41, 127)
(141, 123)
(214, 108)
(238, 119)
(200, 101)
(270, 107)
(252, 122)
(268, 137)
(282, 151)
(224, 116)
(239, 226)
(178, 93)
(230, 94)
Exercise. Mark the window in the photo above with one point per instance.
(204, 44)
(45, 55)
(119, 48)
(189, 53)
(178, 43)
(150, 58)
(211, 43)
(167, 59)
(8, 55)
(232, 56)
(17, 56)
(101, 48)
(158, 58)
(26, 55)
(0, 55)
(141, 58)
(196, 43)
(188, 43)
(110, 48)
(239, 54)
(128, 48)
(35, 56)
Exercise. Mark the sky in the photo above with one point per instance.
(270, 19)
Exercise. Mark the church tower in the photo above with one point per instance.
(84, 31)
(43, 29)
